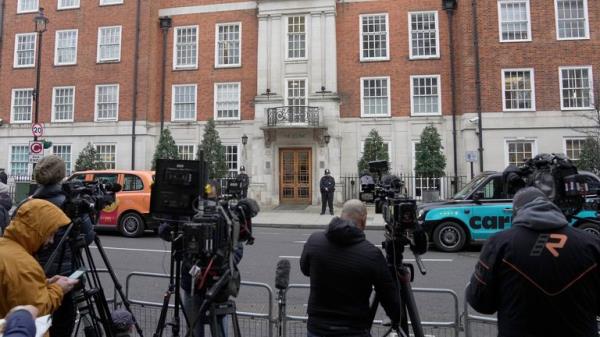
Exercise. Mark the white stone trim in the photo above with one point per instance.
(239, 6)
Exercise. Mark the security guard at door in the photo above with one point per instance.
(244, 180)
(327, 185)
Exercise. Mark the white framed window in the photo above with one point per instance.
(107, 102)
(25, 50)
(573, 147)
(228, 46)
(576, 88)
(65, 47)
(109, 44)
(232, 160)
(19, 160)
(296, 92)
(514, 20)
(571, 19)
(22, 105)
(107, 153)
(27, 6)
(183, 107)
(68, 4)
(64, 152)
(519, 150)
(518, 90)
(374, 37)
(227, 101)
(375, 96)
(185, 48)
(110, 2)
(63, 104)
(426, 97)
(186, 151)
(423, 35)
(296, 38)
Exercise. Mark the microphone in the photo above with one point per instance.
(282, 274)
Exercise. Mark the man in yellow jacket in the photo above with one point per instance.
(22, 279)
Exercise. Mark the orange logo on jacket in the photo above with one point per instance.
(552, 242)
(553, 246)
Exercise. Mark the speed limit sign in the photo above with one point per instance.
(37, 129)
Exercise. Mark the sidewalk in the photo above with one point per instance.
(307, 217)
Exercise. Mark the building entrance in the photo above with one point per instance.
(295, 176)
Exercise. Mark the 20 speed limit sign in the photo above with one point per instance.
(37, 129)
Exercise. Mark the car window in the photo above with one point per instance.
(132, 183)
(593, 184)
(106, 178)
(493, 189)
(77, 177)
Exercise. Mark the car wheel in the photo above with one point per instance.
(449, 236)
(131, 225)
(590, 228)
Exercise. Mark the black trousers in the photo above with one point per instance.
(63, 319)
(326, 199)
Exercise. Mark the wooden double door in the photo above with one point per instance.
(295, 176)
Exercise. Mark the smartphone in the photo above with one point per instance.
(77, 274)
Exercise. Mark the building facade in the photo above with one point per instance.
(305, 81)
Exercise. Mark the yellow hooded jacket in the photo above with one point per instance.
(22, 279)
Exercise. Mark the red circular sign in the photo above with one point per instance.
(37, 130)
(36, 147)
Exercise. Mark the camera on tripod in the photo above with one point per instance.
(87, 197)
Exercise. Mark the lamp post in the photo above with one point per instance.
(165, 25)
(244, 143)
(449, 6)
(41, 21)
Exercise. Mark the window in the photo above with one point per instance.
(520, 150)
(65, 49)
(22, 105)
(107, 102)
(107, 155)
(518, 90)
(110, 2)
(109, 44)
(27, 6)
(494, 189)
(296, 37)
(68, 4)
(576, 91)
(63, 104)
(231, 159)
(571, 19)
(132, 183)
(227, 101)
(514, 20)
(573, 147)
(229, 39)
(375, 98)
(186, 152)
(64, 152)
(19, 160)
(106, 178)
(426, 96)
(184, 103)
(296, 99)
(24, 50)
(186, 47)
(423, 32)
(374, 42)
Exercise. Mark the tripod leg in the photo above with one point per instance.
(163, 314)
(215, 329)
(408, 299)
(235, 322)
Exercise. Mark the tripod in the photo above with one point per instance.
(91, 302)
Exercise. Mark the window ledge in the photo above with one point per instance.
(108, 62)
(67, 65)
(185, 68)
(227, 66)
(368, 60)
(424, 58)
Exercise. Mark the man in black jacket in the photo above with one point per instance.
(327, 185)
(343, 268)
(542, 275)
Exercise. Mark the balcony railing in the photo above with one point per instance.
(306, 116)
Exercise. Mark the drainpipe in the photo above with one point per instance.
(135, 80)
(165, 24)
(449, 7)
(2, 9)
(477, 81)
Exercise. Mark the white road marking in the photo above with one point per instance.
(302, 242)
(431, 260)
(288, 257)
(134, 249)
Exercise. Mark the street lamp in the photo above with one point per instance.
(41, 21)
(327, 138)
(244, 140)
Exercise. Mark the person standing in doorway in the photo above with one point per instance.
(327, 185)
(244, 180)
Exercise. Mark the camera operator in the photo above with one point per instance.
(22, 279)
(343, 268)
(541, 275)
(49, 173)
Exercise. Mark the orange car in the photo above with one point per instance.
(130, 214)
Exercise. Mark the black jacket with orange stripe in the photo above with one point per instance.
(541, 276)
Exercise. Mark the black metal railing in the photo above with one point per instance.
(293, 115)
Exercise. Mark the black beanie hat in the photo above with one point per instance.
(50, 170)
(525, 196)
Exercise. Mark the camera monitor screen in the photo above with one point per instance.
(176, 185)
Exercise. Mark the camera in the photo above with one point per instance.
(88, 197)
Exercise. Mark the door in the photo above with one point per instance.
(295, 176)
(494, 211)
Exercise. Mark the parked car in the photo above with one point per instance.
(130, 214)
(483, 208)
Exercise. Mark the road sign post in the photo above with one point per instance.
(36, 151)
(471, 157)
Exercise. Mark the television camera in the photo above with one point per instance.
(402, 229)
(88, 197)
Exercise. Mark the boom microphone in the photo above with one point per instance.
(282, 274)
